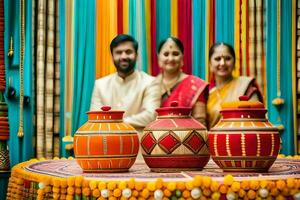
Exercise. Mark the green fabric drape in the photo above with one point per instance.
(284, 114)
(84, 63)
(225, 21)
(199, 37)
(21, 149)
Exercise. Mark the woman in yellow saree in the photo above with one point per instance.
(225, 87)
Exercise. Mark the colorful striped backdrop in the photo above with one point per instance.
(87, 27)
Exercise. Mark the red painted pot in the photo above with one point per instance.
(175, 141)
(244, 140)
(105, 143)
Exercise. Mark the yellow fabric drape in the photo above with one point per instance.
(259, 61)
(251, 42)
(244, 37)
(174, 18)
(125, 16)
(237, 37)
(106, 30)
(148, 33)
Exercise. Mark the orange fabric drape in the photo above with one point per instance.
(106, 30)
(210, 35)
(148, 32)
(125, 16)
(244, 45)
(174, 17)
(237, 38)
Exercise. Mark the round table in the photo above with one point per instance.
(64, 179)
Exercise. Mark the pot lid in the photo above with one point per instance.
(106, 114)
(242, 103)
(174, 110)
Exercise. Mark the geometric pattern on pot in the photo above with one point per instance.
(194, 141)
(168, 142)
(148, 142)
(4, 159)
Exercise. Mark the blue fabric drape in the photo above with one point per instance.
(225, 21)
(142, 37)
(199, 37)
(21, 149)
(137, 28)
(28, 112)
(286, 71)
(62, 23)
(84, 60)
(284, 114)
(132, 18)
(163, 20)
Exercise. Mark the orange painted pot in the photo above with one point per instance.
(244, 140)
(175, 141)
(105, 143)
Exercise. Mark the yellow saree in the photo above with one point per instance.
(231, 91)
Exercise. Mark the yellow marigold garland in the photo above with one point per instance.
(201, 187)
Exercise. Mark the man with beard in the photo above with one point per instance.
(128, 89)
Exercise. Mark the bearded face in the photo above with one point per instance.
(124, 58)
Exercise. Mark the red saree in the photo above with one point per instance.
(188, 92)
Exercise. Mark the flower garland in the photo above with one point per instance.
(200, 187)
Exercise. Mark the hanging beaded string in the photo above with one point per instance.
(278, 100)
(22, 43)
(278, 48)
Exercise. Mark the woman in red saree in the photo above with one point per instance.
(187, 90)
(225, 87)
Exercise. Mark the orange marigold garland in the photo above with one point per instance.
(201, 187)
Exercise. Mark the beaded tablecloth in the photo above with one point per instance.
(281, 169)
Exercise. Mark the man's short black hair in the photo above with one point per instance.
(123, 38)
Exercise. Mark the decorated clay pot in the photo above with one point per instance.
(175, 141)
(105, 143)
(244, 140)
(4, 155)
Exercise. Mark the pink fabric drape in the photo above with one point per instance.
(120, 16)
(185, 32)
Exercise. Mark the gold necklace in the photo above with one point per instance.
(168, 86)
